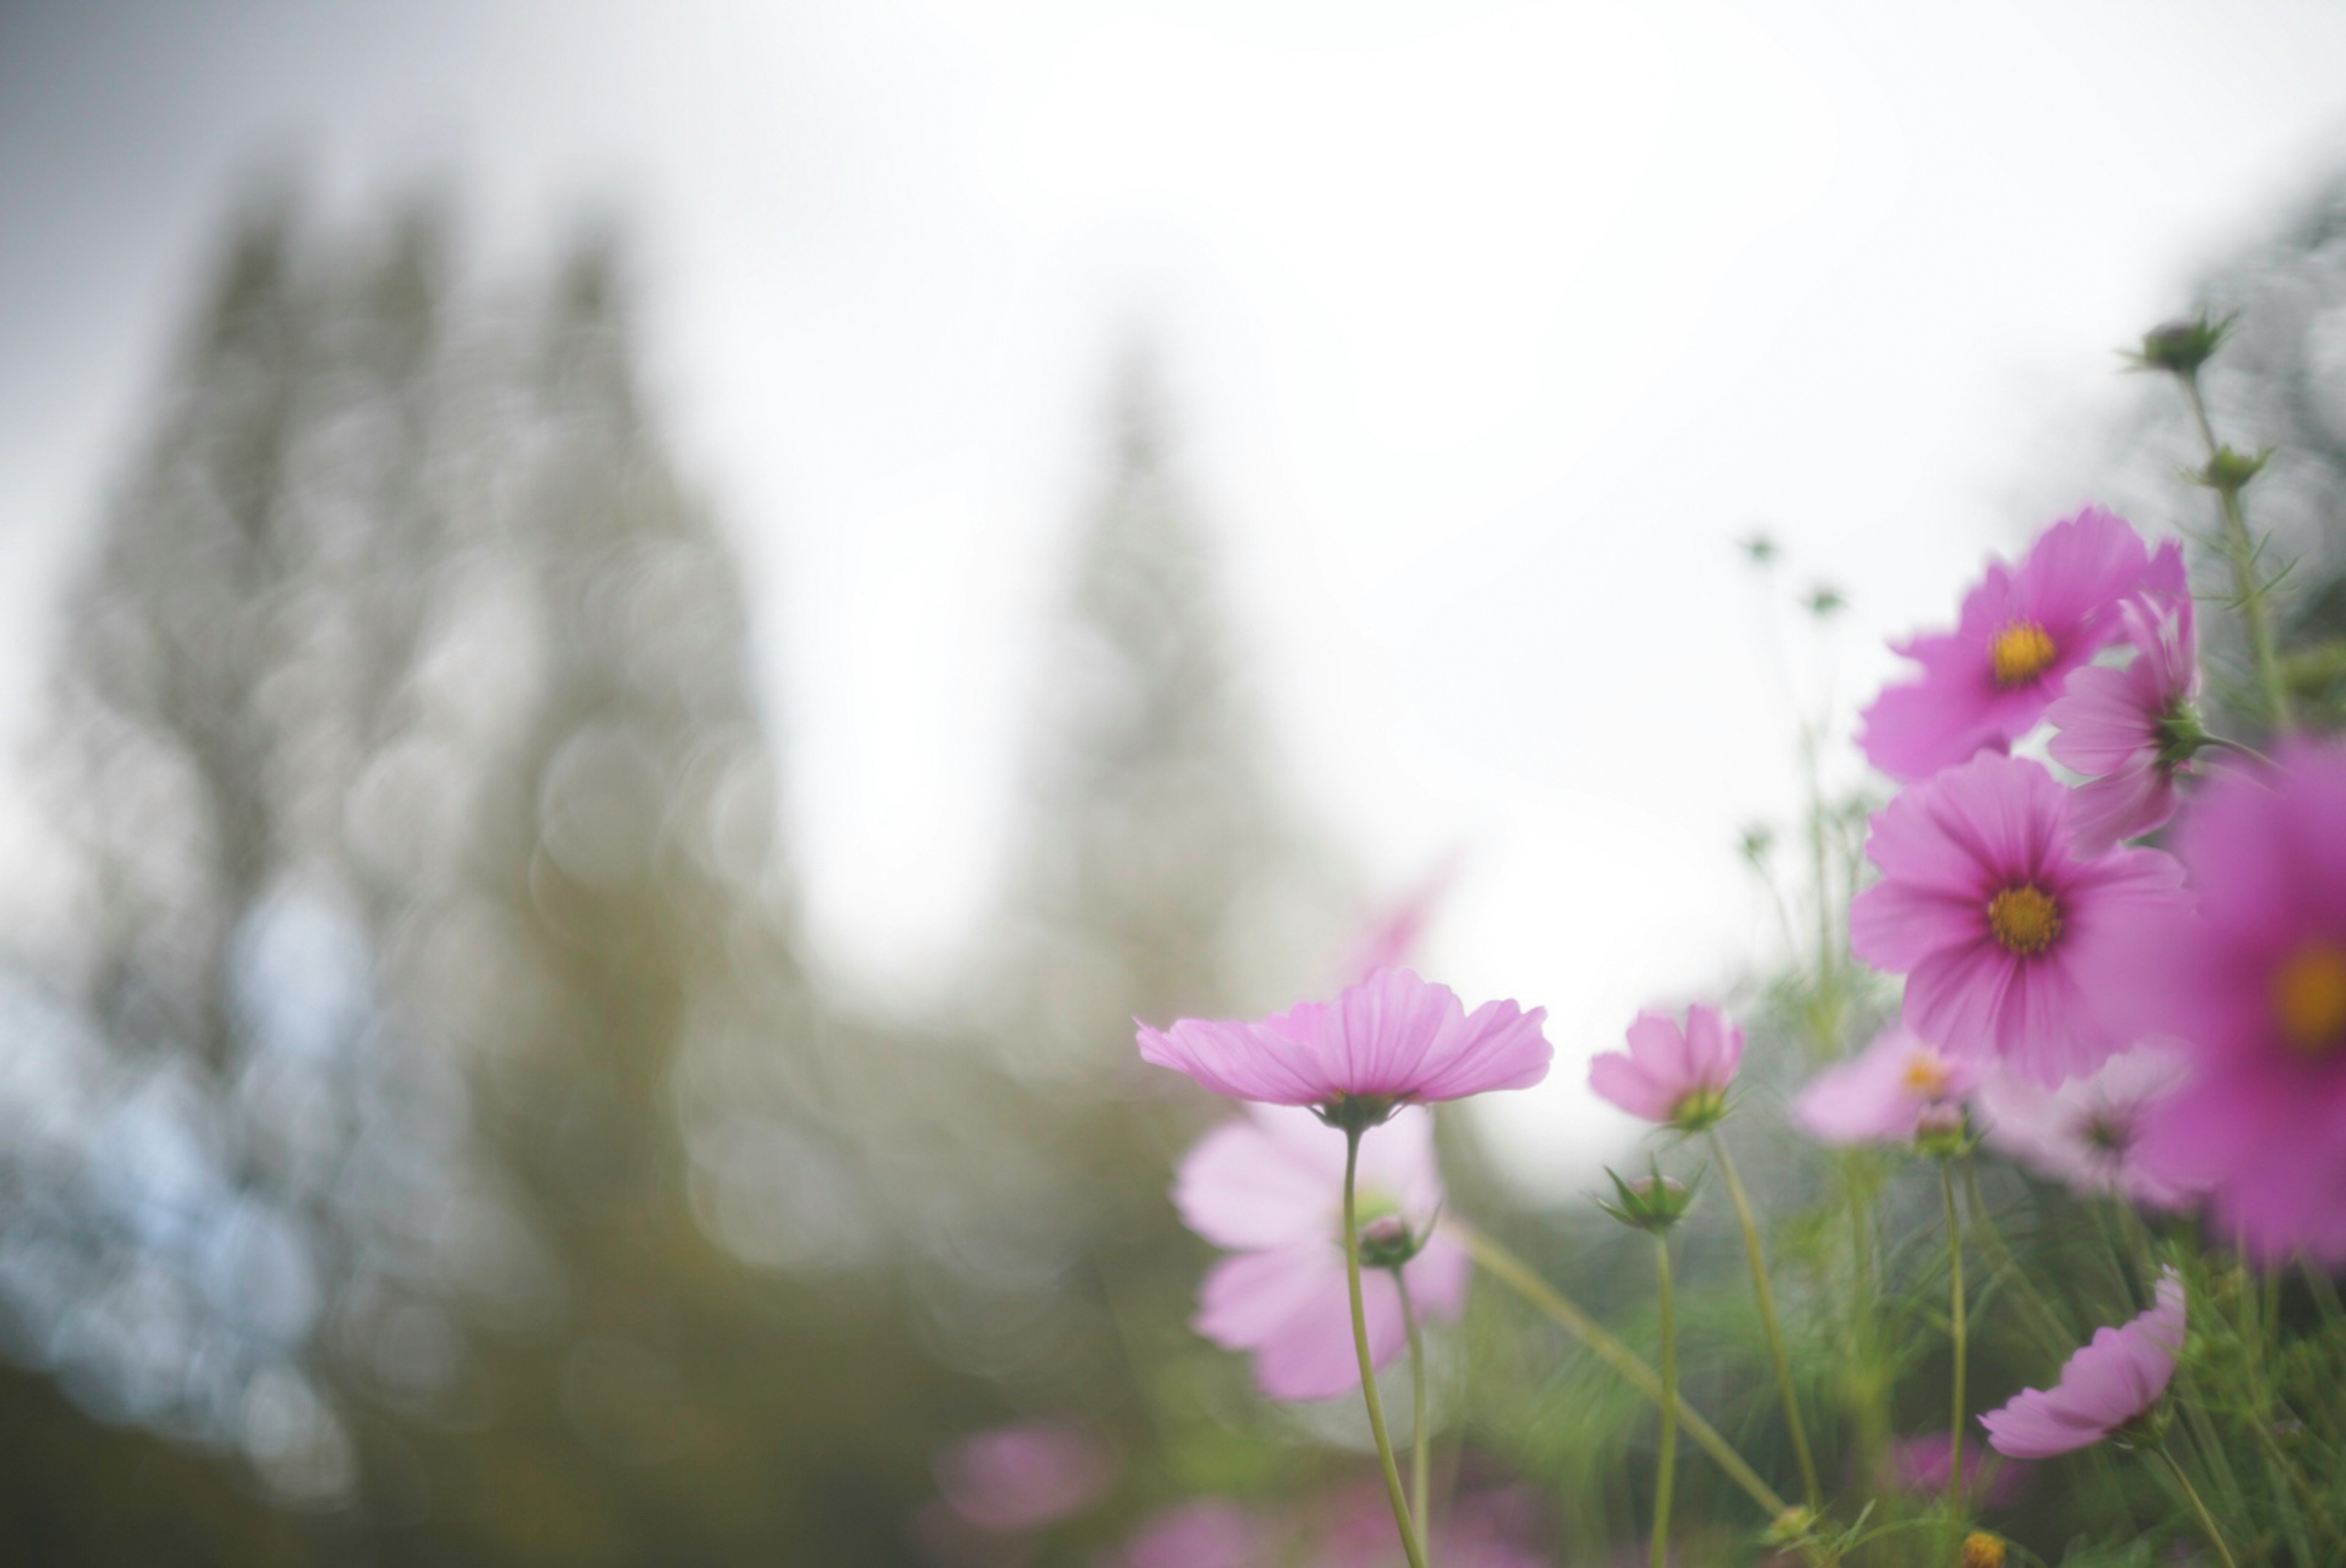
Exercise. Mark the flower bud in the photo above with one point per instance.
(1939, 1132)
(1386, 1242)
(1651, 1203)
(2228, 472)
(2180, 348)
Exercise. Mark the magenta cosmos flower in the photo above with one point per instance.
(1392, 1038)
(1672, 1077)
(1270, 1187)
(2013, 944)
(2130, 731)
(2254, 986)
(2087, 1133)
(1881, 1095)
(1024, 1476)
(2020, 632)
(2113, 1380)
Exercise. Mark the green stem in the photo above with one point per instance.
(1767, 1299)
(1955, 1332)
(2054, 1335)
(1665, 1467)
(1517, 1276)
(2254, 612)
(1368, 1366)
(1421, 1462)
(2206, 1520)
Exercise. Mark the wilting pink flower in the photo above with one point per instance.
(1203, 1533)
(2020, 632)
(1881, 1095)
(1390, 1038)
(2130, 731)
(1918, 1467)
(2086, 1134)
(1024, 1476)
(2013, 944)
(1671, 1076)
(2111, 1381)
(1270, 1187)
(2254, 987)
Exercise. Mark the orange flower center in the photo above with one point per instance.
(2020, 653)
(2308, 998)
(1926, 1075)
(2025, 919)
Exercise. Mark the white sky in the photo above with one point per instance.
(1489, 327)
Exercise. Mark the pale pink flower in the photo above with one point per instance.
(1389, 939)
(1918, 1467)
(1202, 1532)
(2253, 987)
(2086, 1134)
(1024, 1476)
(1881, 1095)
(2020, 633)
(1392, 1038)
(1672, 1077)
(2013, 944)
(2113, 1380)
(2129, 731)
(1270, 1187)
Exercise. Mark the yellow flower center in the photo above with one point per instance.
(2308, 998)
(1926, 1075)
(2025, 919)
(1981, 1549)
(2020, 653)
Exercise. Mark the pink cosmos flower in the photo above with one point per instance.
(2021, 632)
(1203, 1533)
(1390, 1038)
(2013, 944)
(2119, 727)
(2114, 1378)
(1270, 1186)
(1671, 1076)
(2254, 987)
(1881, 1095)
(1024, 1476)
(2086, 1134)
(1918, 1467)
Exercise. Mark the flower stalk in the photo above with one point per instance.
(1420, 1463)
(1667, 1464)
(1401, 1519)
(2227, 475)
(1955, 1331)
(1767, 1299)
(2191, 1495)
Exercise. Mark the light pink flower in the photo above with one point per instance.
(1389, 940)
(2113, 1380)
(1881, 1095)
(2254, 987)
(2020, 633)
(2120, 728)
(2012, 943)
(1672, 1077)
(1270, 1187)
(1390, 1038)
(1918, 1467)
(2086, 1134)
(1024, 1476)
(1202, 1532)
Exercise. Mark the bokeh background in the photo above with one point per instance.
(630, 635)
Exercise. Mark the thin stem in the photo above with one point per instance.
(1955, 1332)
(2050, 1329)
(1420, 1463)
(1767, 1299)
(2206, 1520)
(2220, 743)
(2254, 612)
(1518, 1276)
(1368, 1366)
(1665, 1467)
